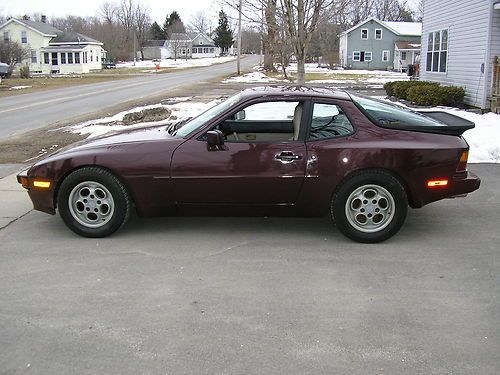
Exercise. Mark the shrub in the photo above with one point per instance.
(401, 88)
(430, 95)
(24, 71)
(389, 88)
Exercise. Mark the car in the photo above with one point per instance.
(109, 64)
(271, 151)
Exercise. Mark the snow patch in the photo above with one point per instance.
(252, 78)
(176, 64)
(20, 87)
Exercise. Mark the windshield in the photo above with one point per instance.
(390, 115)
(206, 116)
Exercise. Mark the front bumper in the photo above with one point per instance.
(42, 198)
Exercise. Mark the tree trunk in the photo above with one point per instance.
(270, 37)
(301, 71)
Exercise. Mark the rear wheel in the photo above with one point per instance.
(93, 203)
(370, 207)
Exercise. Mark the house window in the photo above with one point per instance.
(362, 56)
(201, 42)
(6, 37)
(77, 57)
(195, 50)
(46, 58)
(386, 55)
(63, 57)
(212, 50)
(54, 58)
(437, 51)
(91, 56)
(24, 37)
(378, 33)
(364, 33)
(403, 55)
(85, 57)
(70, 57)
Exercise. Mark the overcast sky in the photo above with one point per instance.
(159, 8)
(58, 8)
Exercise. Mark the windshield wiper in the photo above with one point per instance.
(172, 128)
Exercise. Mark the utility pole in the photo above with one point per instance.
(239, 40)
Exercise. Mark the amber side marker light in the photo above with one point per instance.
(41, 184)
(437, 183)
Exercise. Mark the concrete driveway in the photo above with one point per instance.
(255, 295)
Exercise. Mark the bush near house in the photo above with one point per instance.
(426, 93)
(451, 96)
(24, 71)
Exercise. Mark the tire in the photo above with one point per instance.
(370, 207)
(93, 203)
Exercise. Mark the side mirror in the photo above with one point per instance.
(215, 140)
(238, 116)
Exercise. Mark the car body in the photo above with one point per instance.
(277, 151)
(109, 64)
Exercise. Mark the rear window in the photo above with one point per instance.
(393, 116)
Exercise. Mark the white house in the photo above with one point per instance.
(460, 41)
(52, 50)
(181, 46)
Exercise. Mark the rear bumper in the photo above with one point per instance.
(463, 186)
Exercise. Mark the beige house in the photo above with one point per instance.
(52, 50)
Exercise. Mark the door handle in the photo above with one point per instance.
(287, 157)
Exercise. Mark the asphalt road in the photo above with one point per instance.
(24, 112)
(256, 295)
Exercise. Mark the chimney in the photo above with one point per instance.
(44, 18)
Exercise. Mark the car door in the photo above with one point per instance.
(262, 162)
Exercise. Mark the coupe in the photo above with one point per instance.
(280, 151)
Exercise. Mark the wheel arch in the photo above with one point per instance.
(116, 175)
(392, 173)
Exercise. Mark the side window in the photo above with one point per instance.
(276, 121)
(328, 121)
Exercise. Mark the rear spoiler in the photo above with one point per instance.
(455, 125)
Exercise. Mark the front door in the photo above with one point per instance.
(262, 161)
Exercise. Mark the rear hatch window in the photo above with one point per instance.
(392, 116)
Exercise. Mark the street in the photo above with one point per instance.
(35, 110)
(255, 295)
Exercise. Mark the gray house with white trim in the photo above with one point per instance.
(181, 46)
(375, 44)
(460, 40)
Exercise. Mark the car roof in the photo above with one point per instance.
(294, 91)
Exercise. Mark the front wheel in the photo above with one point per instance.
(93, 203)
(370, 207)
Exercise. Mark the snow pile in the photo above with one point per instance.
(254, 77)
(176, 64)
(484, 139)
(20, 87)
(180, 108)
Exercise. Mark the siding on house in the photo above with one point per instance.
(468, 24)
(351, 42)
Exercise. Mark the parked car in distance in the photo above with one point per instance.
(278, 151)
(4, 70)
(108, 64)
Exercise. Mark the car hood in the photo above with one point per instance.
(153, 133)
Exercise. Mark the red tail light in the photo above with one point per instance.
(462, 164)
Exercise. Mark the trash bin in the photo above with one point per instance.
(411, 70)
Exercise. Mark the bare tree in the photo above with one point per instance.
(142, 23)
(393, 10)
(108, 12)
(201, 23)
(301, 18)
(13, 53)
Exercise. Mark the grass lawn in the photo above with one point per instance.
(49, 82)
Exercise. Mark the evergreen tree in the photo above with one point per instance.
(156, 32)
(173, 24)
(223, 34)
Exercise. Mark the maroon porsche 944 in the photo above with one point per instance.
(273, 151)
